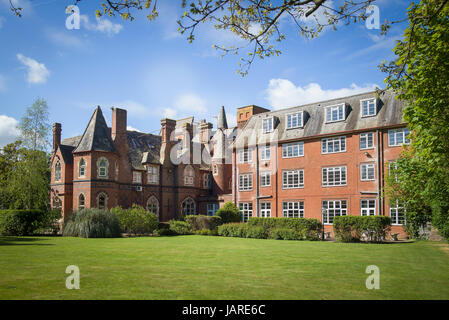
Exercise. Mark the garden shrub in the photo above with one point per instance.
(180, 227)
(233, 230)
(200, 222)
(28, 222)
(357, 228)
(206, 232)
(256, 232)
(285, 234)
(164, 232)
(307, 229)
(229, 213)
(136, 220)
(92, 223)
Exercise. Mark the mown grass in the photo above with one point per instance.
(201, 267)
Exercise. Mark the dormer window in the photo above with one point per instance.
(153, 174)
(335, 113)
(268, 125)
(368, 107)
(295, 120)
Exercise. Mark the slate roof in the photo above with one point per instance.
(143, 148)
(222, 122)
(66, 152)
(97, 136)
(389, 113)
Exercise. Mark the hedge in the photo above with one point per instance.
(307, 229)
(180, 227)
(92, 223)
(358, 228)
(235, 229)
(28, 222)
(136, 220)
(200, 222)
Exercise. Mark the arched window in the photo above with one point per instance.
(102, 200)
(188, 206)
(153, 205)
(58, 171)
(81, 201)
(82, 168)
(189, 175)
(102, 165)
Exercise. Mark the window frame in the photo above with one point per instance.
(367, 167)
(329, 110)
(245, 153)
(265, 209)
(291, 172)
(333, 169)
(249, 177)
(341, 209)
(153, 176)
(247, 212)
(137, 173)
(286, 146)
(406, 141)
(270, 127)
(212, 207)
(264, 177)
(265, 153)
(100, 167)
(366, 211)
(325, 142)
(361, 136)
(189, 176)
(289, 209)
(289, 122)
(368, 107)
(58, 171)
(83, 167)
(396, 208)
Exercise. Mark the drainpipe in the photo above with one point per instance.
(257, 180)
(379, 172)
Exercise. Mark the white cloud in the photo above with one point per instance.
(103, 25)
(129, 128)
(169, 113)
(8, 130)
(37, 72)
(282, 93)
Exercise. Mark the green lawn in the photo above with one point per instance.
(200, 267)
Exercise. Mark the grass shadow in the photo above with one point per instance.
(22, 241)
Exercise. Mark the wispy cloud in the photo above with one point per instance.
(102, 25)
(282, 93)
(66, 38)
(8, 130)
(36, 72)
(380, 43)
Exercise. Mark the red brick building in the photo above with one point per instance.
(112, 166)
(318, 161)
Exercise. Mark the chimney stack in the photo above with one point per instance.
(118, 124)
(168, 125)
(56, 135)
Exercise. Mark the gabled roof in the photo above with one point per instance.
(66, 152)
(97, 136)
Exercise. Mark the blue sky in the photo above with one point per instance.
(153, 72)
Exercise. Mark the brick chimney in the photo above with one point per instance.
(168, 125)
(245, 113)
(205, 131)
(118, 124)
(56, 135)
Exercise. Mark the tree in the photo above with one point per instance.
(420, 76)
(25, 165)
(257, 22)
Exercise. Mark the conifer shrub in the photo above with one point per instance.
(229, 213)
(92, 223)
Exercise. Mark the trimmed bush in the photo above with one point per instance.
(164, 232)
(358, 228)
(136, 220)
(180, 227)
(92, 223)
(256, 232)
(28, 222)
(306, 229)
(229, 213)
(200, 222)
(285, 234)
(233, 230)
